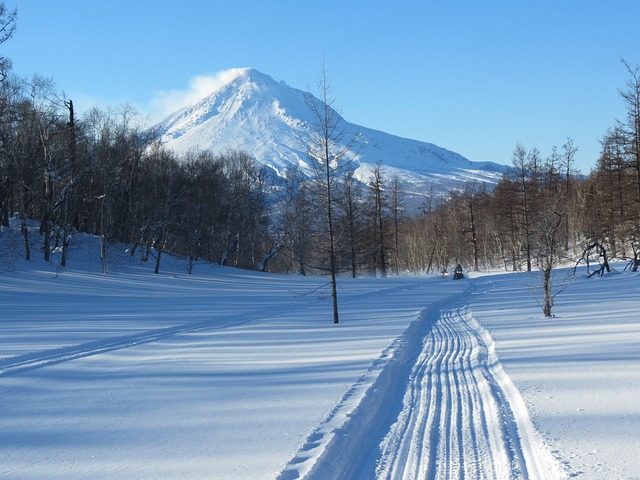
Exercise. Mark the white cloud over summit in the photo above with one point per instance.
(166, 102)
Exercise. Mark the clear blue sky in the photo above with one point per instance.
(476, 77)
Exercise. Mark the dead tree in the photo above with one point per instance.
(594, 250)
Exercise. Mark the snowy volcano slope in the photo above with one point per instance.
(231, 374)
(273, 122)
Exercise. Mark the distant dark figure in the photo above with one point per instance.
(457, 273)
(445, 274)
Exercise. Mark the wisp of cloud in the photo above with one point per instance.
(165, 102)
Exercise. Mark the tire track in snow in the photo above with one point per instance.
(459, 415)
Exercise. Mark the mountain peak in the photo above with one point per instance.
(245, 74)
(249, 110)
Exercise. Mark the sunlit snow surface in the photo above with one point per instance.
(230, 374)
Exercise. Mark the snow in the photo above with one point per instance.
(236, 374)
(272, 122)
(579, 372)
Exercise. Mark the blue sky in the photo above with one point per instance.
(474, 77)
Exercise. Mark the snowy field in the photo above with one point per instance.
(230, 374)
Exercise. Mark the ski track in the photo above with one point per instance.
(30, 361)
(21, 363)
(459, 414)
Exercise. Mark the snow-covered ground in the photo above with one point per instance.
(229, 374)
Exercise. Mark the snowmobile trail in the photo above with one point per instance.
(442, 407)
(458, 420)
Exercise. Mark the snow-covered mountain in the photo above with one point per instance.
(273, 122)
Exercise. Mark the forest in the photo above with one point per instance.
(106, 174)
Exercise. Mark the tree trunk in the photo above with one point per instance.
(156, 270)
(25, 236)
(548, 297)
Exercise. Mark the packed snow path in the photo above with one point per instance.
(460, 415)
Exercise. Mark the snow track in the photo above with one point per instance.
(439, 406)
(21, 363)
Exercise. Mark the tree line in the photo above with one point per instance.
(541, 207)
(105, 174)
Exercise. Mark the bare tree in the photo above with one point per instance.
(631, 127)
(567, 159)
(7, 29)
(351, 222)
(379, 204)
(549, 251)
(615, 185)
(505, 219)
(327, 150)
(203, 204)
(470, 195)
(527, 166)
(296, 219)
(244, 210)
(595, 252)
(397, 209)
(45, 108)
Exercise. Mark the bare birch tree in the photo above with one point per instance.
(549, 252)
